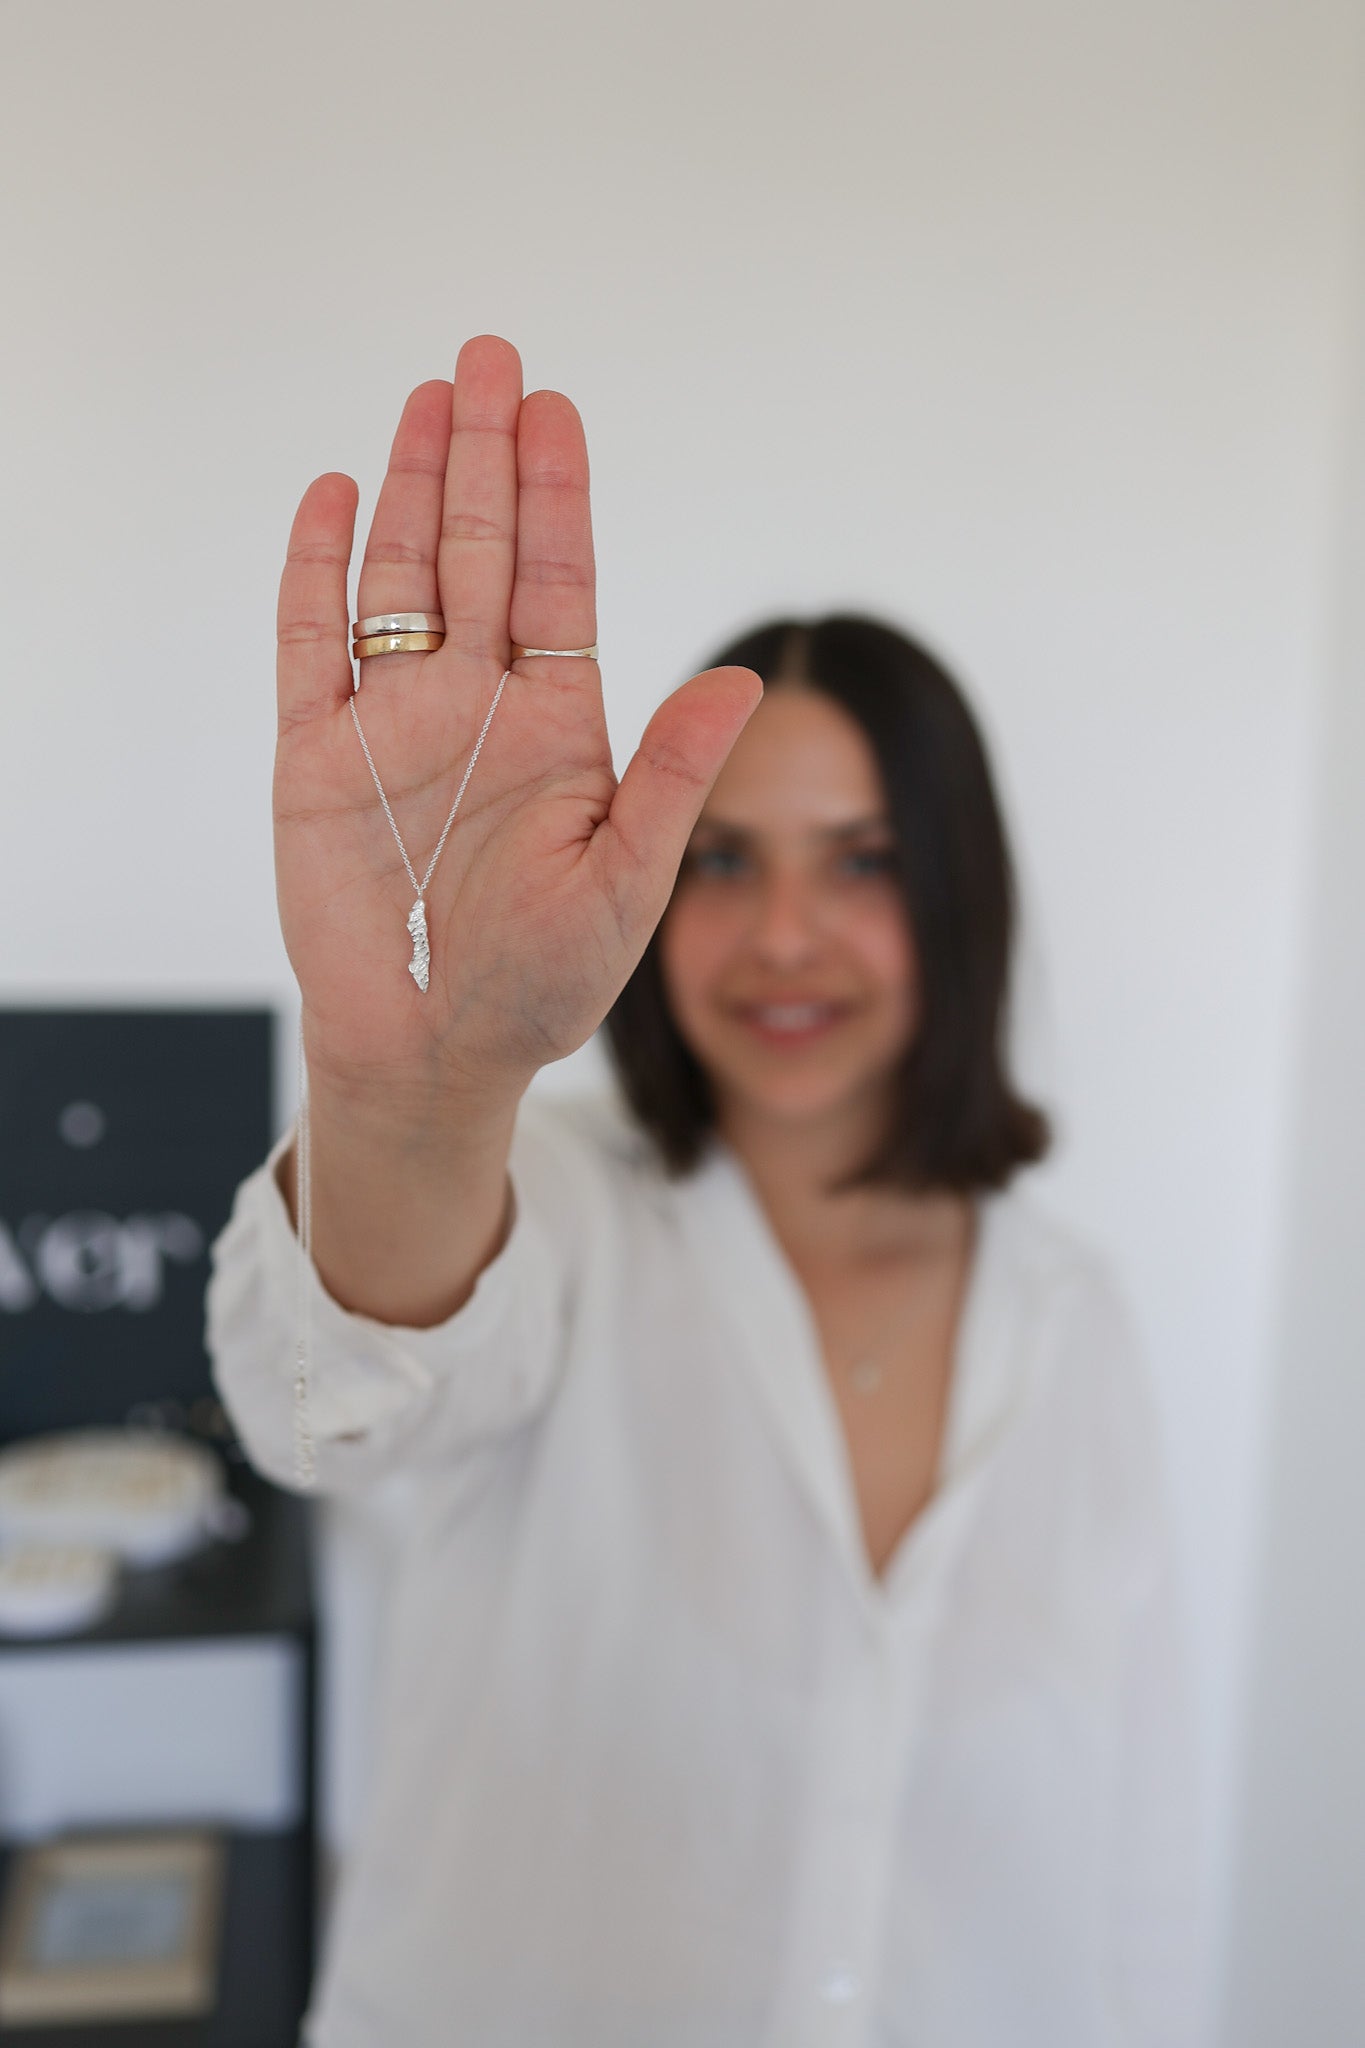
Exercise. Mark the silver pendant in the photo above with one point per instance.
(420, 963)
(866, 1376)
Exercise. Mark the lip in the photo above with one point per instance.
(792, 1024)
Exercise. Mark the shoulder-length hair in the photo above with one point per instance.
(956, 1121)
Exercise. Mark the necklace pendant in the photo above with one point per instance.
(866, 1376)
(420, 963)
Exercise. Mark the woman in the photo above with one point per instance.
(782, 1651)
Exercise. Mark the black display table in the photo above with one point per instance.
(259, 1586)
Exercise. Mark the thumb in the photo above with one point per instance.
(644, 835)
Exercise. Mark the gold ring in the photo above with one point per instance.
(396, 643)
(398, 622)
(583, 653)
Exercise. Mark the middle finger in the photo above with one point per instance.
(476, 559)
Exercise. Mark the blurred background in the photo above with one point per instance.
(1034, 328)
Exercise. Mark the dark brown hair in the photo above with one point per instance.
(957, 1122)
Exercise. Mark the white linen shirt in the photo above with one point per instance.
(663, 1763)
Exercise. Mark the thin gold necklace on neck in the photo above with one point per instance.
(867, 1375)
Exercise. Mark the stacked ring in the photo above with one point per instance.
(398, 622)
(397, 633)
(396, 643)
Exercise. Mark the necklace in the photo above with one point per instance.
(419, 967)
(866, 1374)
(305, 1463)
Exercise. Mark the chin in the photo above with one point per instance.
(796, 1098)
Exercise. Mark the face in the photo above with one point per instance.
(786, 952)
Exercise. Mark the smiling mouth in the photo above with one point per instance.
(790, 1023)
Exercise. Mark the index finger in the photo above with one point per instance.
(313, 666)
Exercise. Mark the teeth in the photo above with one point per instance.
(792, 1016)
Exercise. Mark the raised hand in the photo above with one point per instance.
(553, 876)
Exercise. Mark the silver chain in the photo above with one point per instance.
(421, 887)
(305, 1464)
(305, 1470)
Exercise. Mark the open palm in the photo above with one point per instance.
(554, 875)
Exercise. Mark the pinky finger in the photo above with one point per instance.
(312, 625)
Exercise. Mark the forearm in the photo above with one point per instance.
(408, 1206)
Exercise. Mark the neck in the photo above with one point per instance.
(793, 1163)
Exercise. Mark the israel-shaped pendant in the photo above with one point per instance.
(419, 965)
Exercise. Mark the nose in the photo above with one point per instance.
(786, 927)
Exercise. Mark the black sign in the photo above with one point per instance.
(123, 1136)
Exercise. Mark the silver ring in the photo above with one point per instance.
(398, 622)
(582, 653)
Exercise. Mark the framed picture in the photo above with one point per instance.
(111, 1927)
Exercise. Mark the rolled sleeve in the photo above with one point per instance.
(383, 1396)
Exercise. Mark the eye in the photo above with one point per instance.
(720, 863)
(865, 861)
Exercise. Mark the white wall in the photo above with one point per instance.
(1298, 1965)
(1026, 325)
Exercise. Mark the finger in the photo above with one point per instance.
(477, 553)
(642, 840)
(398, 573)
(554, 597)
(313, 665)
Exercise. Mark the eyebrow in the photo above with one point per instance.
(855, 828)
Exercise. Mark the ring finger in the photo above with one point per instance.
(554, 600)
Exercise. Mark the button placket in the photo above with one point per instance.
(840, 1985)
(840, 1899)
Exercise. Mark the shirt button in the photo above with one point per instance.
(840, 1985)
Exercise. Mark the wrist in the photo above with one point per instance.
(421, 1106)
(425, 1131)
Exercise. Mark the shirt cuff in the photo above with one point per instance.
(364, 1372)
